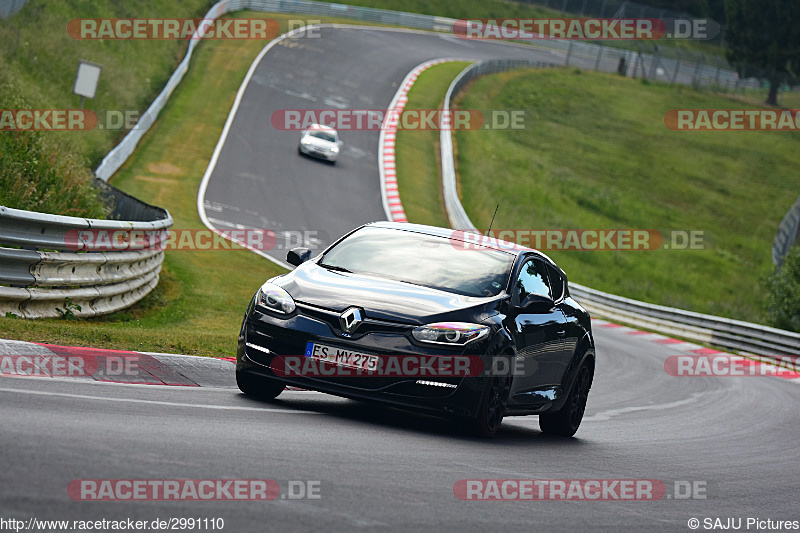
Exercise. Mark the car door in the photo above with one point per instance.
(571, 329)
(538, 333)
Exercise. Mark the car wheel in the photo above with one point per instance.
(258, 387)
(492, 408)
(566, 421)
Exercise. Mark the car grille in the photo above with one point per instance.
(264, 343)
(369, 325)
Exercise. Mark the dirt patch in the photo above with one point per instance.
(156, 179)
(164, 168)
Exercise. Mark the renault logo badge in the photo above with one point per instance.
(350, 319)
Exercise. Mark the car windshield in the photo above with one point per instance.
(324, 135)
(421, 259)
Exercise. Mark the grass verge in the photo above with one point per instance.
(198, 305)
(39, 58)
(595, 153)
(417, 151)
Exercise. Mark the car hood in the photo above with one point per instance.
(382, 299)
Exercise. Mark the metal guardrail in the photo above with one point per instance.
(120, 153)
(117, 157)
(455, 211)
(84, 267)
(98, 283)
(726, 333)
(788, 234)
(8, 8)
(698, 72)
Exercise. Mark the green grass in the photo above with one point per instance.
(50, 171)
(198, 305)
(595, 153)
(40, 174)
(199, 302)
(418, 174)
(39, 58)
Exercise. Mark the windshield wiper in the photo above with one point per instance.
(335, 267)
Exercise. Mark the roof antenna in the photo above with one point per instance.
(492, 222)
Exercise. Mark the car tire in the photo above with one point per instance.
(566, 421)
(263, 389)
(492, 409)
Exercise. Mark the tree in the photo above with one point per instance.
(783, 307)
(763, 40)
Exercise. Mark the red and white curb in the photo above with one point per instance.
(756, 365)
(386, 143)
(30, 359)
(33, 359)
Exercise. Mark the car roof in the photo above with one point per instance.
(321, 127)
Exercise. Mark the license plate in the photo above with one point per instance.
(341, 356)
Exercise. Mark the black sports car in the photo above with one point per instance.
(424, 318)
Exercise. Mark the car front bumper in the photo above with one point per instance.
(319, 154)
(265, 337)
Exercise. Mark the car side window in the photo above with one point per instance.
(556, 282)
(532, 280)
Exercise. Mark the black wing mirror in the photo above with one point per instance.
(537, 303)
(298, 256)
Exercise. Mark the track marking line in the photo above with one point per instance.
(157, 402)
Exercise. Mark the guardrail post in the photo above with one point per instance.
(677, 68)
(599, 55)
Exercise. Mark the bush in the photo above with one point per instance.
(783, 308)
(40, 172)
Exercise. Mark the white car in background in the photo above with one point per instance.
(321, 142)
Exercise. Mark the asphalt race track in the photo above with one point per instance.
(384, 469)
(377, 468)
(260, 181)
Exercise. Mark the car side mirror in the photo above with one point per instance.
(298, 256)
(537, 303)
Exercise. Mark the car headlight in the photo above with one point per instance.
(335, 149)
(453, 333)
(275, 298)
